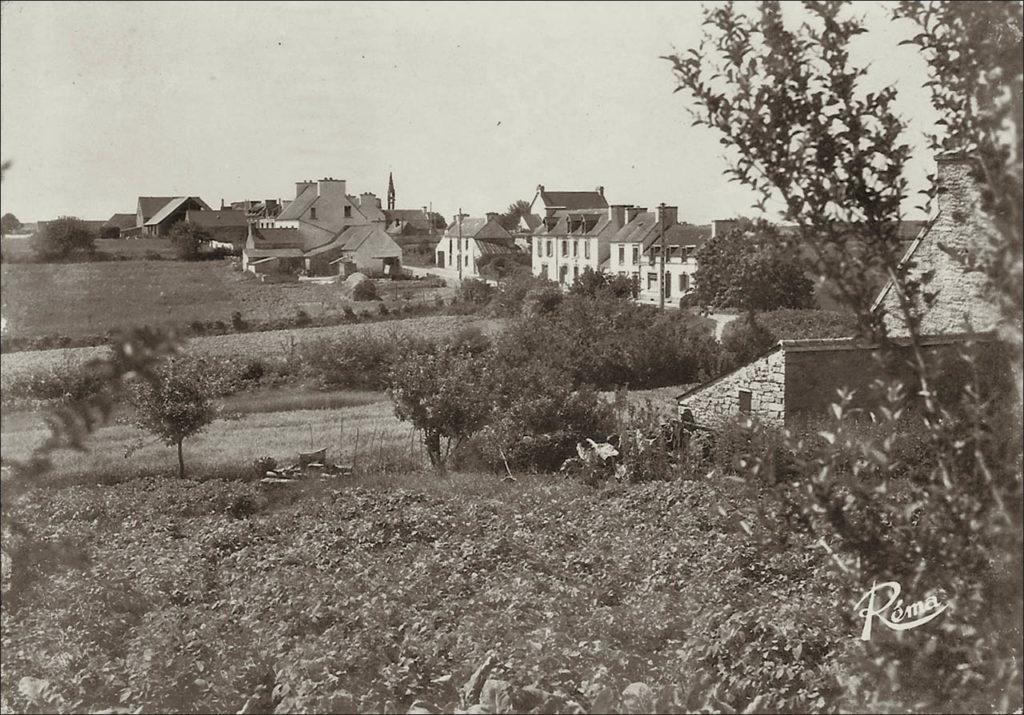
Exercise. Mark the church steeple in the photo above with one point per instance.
(391, 192)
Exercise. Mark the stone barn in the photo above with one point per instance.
(799, 379)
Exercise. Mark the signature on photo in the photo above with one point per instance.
(893, 613)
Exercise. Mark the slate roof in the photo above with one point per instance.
(644, 230)
(224, 218)
(276, 238)
(171, 206)
(152, 204)
(380, 243)
(532, 221)
(573, 200)
(479, 228)
(122, 221)
(488, 247)
(298, 206)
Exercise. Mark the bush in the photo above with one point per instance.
(63, 238)
(744, 340)
(302, 318)
(237, 323)
(151, 255)
(365, 290)
(475, 292)
(188, 239)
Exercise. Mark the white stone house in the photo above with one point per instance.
(566, 245)
(467, 239)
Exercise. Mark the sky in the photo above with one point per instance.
(471, 105)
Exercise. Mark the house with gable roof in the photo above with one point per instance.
(467, 239)
(800, 378)
(155, 215)
(637, 248)
(323, 231)
(549, 203)
(568, 242)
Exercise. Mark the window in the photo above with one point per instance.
(565, 248)
(684, 282)
(668, 286)
(586, 249)
(544, 269)
(466, 261)
(652, 281)
(575, 248)
(622, 254)
(549, 248)
(745, 398)
(348, 212)
(562, 273)
(312, 213)
(575, 273)
(636, 254)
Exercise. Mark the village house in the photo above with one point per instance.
(468, 239)
(546, 203)
(800, 378)
(569, 242)
(257, 209)
(659, 253)
(316, 234)
(155, 215)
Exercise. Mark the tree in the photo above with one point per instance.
(188, 239)
(750, 267)
(499, 266)
(177, 404)
(62, 238)
(516, 210)
(109, 231)
(801, 130)
(9, 223)
(590, 283)
(443, 391)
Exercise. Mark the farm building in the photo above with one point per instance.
(173, 211)
(369, 249)
(228, 228)
(801, 377)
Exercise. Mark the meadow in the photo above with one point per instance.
(24, 365)
(80, 300)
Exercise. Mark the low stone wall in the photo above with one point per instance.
(719, 401)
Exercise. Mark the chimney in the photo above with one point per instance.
(722, 226)
(600, 190)
(332, 188)
(222, 203)
(667, 215)
(540, 188)
(368, 198)
(633, 211)
(301, 186)
(493, 216)
(617, 214)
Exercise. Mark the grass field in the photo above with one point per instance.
(271, 343)
(86, 299)
(20, 248)
(356, 427)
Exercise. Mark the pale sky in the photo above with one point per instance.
(471, 105)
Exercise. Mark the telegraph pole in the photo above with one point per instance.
(661, 282)
(460, 244)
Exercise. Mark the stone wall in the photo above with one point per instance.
(718, 401)
(959, 229)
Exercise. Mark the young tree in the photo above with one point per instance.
(188, 239)
(62, 237)
(9, 223)
(443, 391)
(177, 404)
(751, 267)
